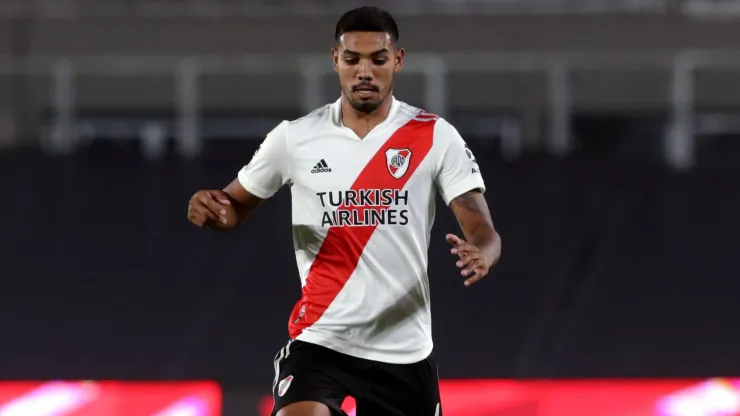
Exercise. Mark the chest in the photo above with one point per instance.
(337, 162)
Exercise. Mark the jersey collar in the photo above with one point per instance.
(336, 109)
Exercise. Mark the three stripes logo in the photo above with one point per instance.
(321, 167)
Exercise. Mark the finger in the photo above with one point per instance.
(477, 277)
(220, 197)
(458, 244)
(465, 249)
(205, 213)
(465, 258)
(197, 220)
(469, 264)
(461, 250)
(211, 204)
(207, 218)
(454, 240)
(470, 269)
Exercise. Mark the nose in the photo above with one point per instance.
(365, 72)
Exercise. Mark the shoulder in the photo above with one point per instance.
(411, 113)
(280, 131)
(316, 121)
(317, 118)
(444, 134)
(442, 127)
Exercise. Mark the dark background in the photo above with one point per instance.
(614, 265)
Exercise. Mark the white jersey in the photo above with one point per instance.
(363, 210)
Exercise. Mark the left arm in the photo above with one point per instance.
(481, 248)
(461, 186)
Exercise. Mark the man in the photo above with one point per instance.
(364, 173)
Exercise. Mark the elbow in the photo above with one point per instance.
(495, 247)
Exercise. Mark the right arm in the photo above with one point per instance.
(265, 174)
(243, 201)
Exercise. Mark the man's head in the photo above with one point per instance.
(366, 55)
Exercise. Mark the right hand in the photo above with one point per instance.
(212, 209)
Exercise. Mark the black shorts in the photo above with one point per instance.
(309, 372)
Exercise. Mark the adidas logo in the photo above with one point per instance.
(321, 167)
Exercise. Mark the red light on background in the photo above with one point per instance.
(580, 398)
(91, 398)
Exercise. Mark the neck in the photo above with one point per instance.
(352, 117)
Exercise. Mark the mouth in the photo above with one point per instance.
(365, 91)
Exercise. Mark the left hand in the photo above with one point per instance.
(472, 261)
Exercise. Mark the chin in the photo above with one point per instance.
(365, 106)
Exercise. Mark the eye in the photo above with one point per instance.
(380, 61)
(351, 61)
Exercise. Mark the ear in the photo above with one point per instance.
(400, 54)
(335, 58)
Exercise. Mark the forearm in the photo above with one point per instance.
(485, 237)
(474, 218)
(243, 202)
(243, 210)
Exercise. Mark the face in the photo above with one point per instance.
(366, 62)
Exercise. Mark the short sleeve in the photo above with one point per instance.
(269, 168)
(457, 168)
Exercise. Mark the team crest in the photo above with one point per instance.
(470, 154)
(284, 385)
(398, 161)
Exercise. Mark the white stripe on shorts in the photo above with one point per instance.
(281, 355)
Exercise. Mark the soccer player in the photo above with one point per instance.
(363, 172)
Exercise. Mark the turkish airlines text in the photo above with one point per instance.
(364, 207)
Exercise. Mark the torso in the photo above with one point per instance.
(363, 209)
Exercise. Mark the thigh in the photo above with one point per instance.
(400, 390)
(306, 373)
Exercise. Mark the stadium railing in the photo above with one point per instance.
(73, 8)
(679, 139)
(711, 8)
(267, 8)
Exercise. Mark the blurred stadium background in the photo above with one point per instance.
(608, 132)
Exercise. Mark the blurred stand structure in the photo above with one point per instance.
(550, 71)
(574, 108)
(230, 8)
